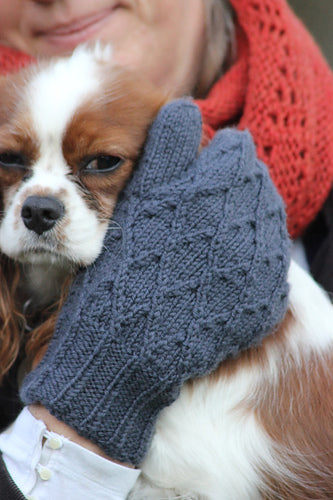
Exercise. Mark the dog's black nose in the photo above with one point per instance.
(40, 213)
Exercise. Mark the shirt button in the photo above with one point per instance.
(45, 473)
(55, 443)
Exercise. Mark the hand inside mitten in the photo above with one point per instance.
(195, 272)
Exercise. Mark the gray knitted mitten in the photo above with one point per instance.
(197, 272)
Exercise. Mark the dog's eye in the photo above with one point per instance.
(12, 160)
(102, 163)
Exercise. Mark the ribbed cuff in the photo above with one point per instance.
(122, 421)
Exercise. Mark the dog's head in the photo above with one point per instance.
(70, 133)
(71, 130)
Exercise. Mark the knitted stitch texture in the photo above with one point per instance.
(281, 89)
(193, 269)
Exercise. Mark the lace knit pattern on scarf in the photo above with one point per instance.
(281, 89)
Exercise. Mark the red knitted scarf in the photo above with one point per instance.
(281, 89)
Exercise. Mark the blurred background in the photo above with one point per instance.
(318, 17)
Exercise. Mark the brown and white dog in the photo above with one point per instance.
(261, 426)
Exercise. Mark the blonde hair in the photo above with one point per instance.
(220, 43)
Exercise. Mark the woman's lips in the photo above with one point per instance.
(78, 31)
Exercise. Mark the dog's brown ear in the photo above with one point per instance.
(10, 318)
(11, 93)
(3, 91)
(6, 98)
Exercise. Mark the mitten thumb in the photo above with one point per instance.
(172, 145)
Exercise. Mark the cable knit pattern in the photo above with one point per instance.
(193, 269)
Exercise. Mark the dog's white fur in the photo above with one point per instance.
(52, 96)
(206, 445)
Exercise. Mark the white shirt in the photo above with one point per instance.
(59, 469)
